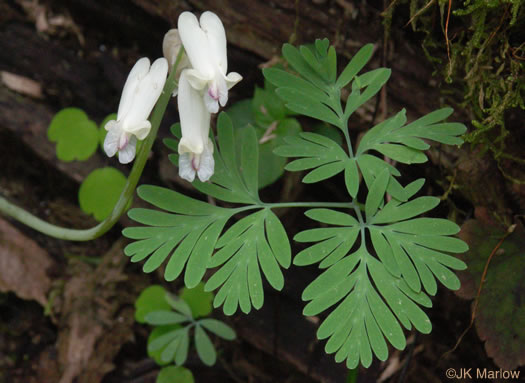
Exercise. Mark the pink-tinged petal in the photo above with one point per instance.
(212, 105)
(222, 90)
(112, 138)
(137, 73)
(196, 44)
(212, 26)
(127, 153)
(186, 170)
(207, 163)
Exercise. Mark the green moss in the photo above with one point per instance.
(485, 59)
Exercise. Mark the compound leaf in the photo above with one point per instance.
(185, 232)
(404, 143)
(256, 243)
(318, 152)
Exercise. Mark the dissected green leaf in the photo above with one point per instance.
(100, 191)
(256, 242)
(374, 296)
(175, 374)
(357, 63)
(297, 61)
(361, 320)
(371, 82)
(198, 300)
(234, 177)
(283, 79)
(417, 247)
(271, 167)
(178, 304)
(404, 143)
(308, 106)
(185, 232)
(318, 152)
(500, 312)
(376, 194)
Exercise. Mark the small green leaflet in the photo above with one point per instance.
(256, 242)
(186, 232)
(318, 152)
(410, 255)
(170, 339)
(75, 134)
(404, 143)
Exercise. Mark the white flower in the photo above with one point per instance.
(140, 94)
(195, 146)
(201, 88)
(205, 45)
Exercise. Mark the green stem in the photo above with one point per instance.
(335, 205)
(310, 204)
(44, 227)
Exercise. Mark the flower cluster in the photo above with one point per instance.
(203, 85)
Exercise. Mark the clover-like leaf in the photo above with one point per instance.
(152, 298)
(100, 191)
(198, 300)
(75, 134)
(256, 242)
(185, 232)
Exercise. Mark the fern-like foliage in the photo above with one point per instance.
(186, 231)
(380, 260)
(373, 296)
